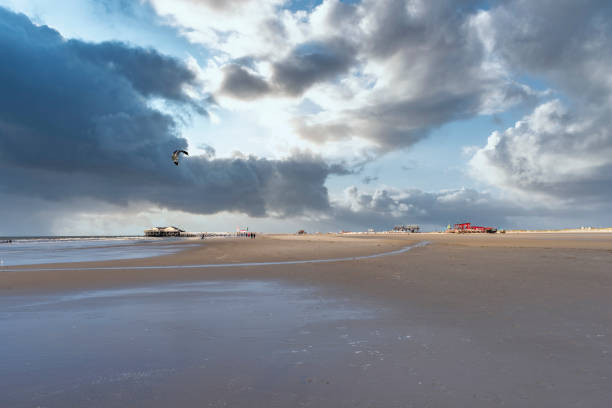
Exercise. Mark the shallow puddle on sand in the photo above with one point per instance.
(112, 346)
(82, 250)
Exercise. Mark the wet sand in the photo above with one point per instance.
(516, 320)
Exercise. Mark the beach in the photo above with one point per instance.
(478, 320)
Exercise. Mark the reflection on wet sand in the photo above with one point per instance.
(122, 345)
(226, 265)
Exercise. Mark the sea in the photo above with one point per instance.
(59, 249)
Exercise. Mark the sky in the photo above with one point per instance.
(321, 115)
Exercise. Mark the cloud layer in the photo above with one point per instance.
(384, 72)
(96, 122)
(76, 123)
(384, 206)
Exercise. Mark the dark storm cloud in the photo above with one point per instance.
(149, 72)
(241, 84)
(75, 124)
(257, 187)
(313, 62)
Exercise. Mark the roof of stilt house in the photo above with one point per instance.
(164, 229)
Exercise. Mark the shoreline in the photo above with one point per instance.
(288, 251)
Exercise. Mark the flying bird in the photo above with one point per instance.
(175, 155)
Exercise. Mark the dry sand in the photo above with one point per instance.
(517, 320)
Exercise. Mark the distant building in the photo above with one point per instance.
(406, 228)
(468, 227)
(163, 232)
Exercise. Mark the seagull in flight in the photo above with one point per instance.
(175, 155)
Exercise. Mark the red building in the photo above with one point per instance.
(468, 227)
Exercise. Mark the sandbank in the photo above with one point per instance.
(468, 320)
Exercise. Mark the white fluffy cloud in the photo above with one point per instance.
(550, 152)
(563, 149)
(383, 72)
